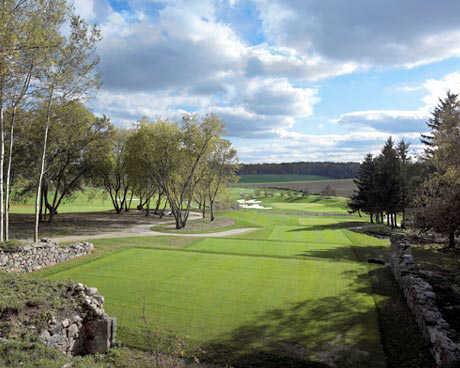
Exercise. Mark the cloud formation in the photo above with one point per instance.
(381, 32)
(261, 65)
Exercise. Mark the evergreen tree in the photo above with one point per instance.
(438, 200)
(404, 163)
(446, 107)
(364, 198)
(388, 182)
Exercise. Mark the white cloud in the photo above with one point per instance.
(438, 88)
(279, 97)
(383, 32)
(387, 121)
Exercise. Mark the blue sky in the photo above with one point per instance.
(293, 80)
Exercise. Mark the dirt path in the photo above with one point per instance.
(145, 230)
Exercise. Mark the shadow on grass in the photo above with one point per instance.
(335, 226)
(328, 332)
(343, 331)
(353, 253)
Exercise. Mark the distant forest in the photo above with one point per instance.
(336, 170)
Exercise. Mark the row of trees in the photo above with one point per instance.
(336, 170)
(385, 184)
(392, 182)
(51, 146)
(177, 164)
(174, 165)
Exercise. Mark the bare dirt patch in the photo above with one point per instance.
(84, 224)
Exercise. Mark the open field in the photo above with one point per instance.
(343, 187)
(267, 178)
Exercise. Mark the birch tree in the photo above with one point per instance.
(28, 28)
(70, 75)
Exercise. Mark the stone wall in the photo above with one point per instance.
(87, 330)
(84, 327)
(32, 257)
(421, 300)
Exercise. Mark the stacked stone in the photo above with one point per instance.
(88, 330)
(45, 253)
(421, 300)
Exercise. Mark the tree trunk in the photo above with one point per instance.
(2, 161)
(8, 176)
(203, 209)
(128, 203)
(211, 210)
(147, 212)
(42, 173)
(157, 206)
(452, 239)
(371, 216)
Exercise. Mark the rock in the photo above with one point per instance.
(89, 330)
(32, 257)
(421, 300)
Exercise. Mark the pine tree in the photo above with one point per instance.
(438, 200)
(388, 182)
(404, 163)
(447, 106)
(364, 198)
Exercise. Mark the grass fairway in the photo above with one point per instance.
(295, 288)
(88, 200)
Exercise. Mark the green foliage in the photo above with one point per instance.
(438, 200)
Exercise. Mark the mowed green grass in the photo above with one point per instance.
(88, 200)
(267, 178)
(296, 281)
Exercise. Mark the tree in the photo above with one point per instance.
(404, 162)
(113, 173)
(388, 182)
(220, 170)
(365, 196)
(438, 202)
(446, 108)
(138, 166)
(28, 30)
(77, 143)
(438, 205)
(175, 156)
(69, 75)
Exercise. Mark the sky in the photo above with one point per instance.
(293, 80)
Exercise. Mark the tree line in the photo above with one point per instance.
(393, 181)
(51, 145)
(335, 170)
